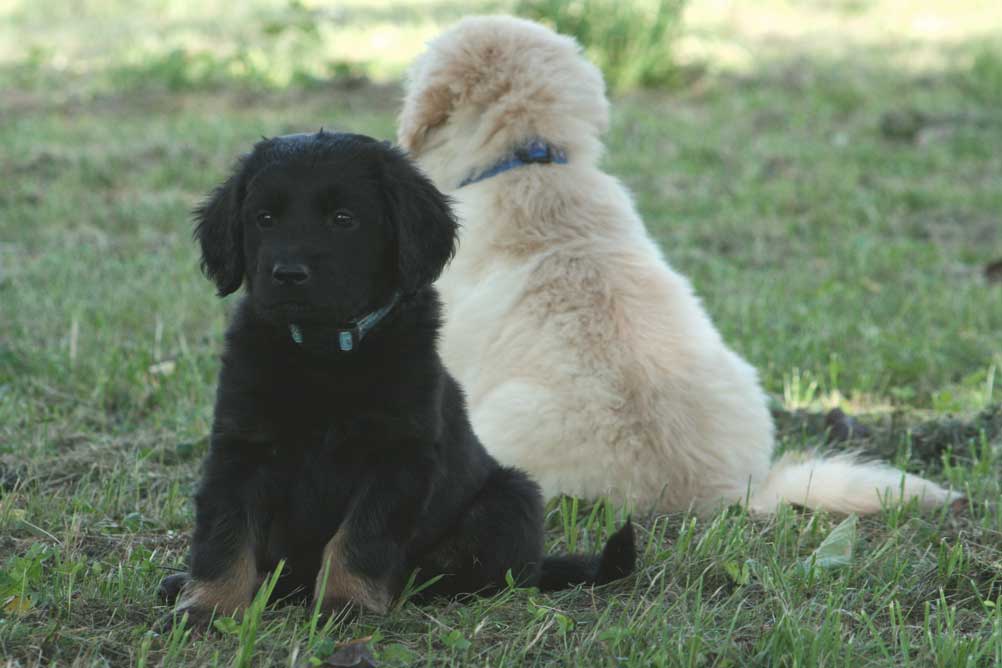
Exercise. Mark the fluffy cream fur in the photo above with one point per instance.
(587, 360)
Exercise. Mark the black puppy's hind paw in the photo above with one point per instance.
(171, 586)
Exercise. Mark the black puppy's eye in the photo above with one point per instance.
(264, 219)
(343, 218)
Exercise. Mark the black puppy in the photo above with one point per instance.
(340, 442)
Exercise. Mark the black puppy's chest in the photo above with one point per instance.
(324, 431)
(312, 473)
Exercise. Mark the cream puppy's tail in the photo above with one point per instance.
(843, 483)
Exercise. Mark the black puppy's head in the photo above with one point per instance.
(324, 227)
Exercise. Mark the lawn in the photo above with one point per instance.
(828, 173)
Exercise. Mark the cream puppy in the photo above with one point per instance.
(586, 359)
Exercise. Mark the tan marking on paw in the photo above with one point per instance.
(226, 595)
(343, 585)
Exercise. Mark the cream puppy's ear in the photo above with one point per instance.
(427, 105)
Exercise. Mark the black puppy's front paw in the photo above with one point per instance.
(169, 591)
(171, 586)
(199, 620)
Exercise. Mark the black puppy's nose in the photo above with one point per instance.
(290, 274)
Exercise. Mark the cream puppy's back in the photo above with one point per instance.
(586, 359)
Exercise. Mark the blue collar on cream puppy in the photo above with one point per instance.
(534, 152)
(349, 336)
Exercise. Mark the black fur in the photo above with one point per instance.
(309, 441)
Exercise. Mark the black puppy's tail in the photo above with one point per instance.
(618, 559)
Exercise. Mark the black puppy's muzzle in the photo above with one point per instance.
(290, 274)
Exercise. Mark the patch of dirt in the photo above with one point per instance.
(363, 94)
(954, 228)
(993, 271)
(882, 436)
(918, 127)
(10, 475)
(71, 459)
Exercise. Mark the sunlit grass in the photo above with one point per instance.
(633, 43)
(270, 41)
(275, 42)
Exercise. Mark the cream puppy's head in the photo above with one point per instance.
(491, 83)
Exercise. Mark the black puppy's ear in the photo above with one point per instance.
(218, 230)
(426, 227)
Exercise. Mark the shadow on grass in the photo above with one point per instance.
(927, 440)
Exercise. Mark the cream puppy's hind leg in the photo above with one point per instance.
(527, 425)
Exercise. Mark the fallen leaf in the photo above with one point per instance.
(17, 605)
(354, 653)
(835, 551)
(164, 368)
(227, 625)
(398, 653)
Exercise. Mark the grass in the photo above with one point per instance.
(843, 259)
(631, 42)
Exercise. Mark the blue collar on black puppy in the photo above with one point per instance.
(535, 152)
(351, 335)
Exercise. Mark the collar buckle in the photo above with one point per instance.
(349, 336)
(347, 339)
(536, 152)
(533, 152)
